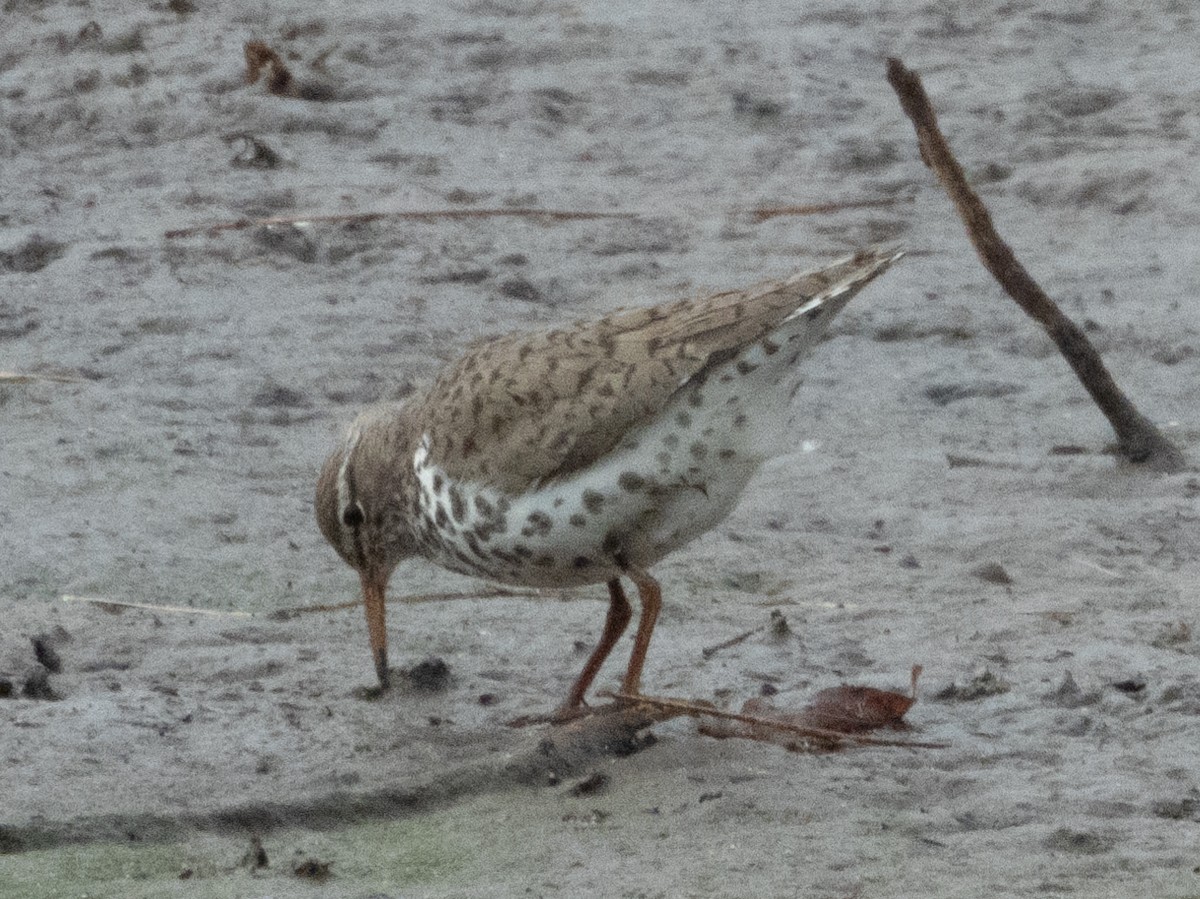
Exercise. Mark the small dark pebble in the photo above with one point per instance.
(186, 874)
(708, 797)
(594, 783)
(768, 690)
(486, 699)
(520, 289)
(311, 869)
(1131, 685)
(992, 573)
(431, 674)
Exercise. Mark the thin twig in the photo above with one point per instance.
(113, 604)
(421, 215)
(709, 651)
(695, 710)
(1137, 437)
(763, 213)
(411, 599)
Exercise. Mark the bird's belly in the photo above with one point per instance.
(652, 495)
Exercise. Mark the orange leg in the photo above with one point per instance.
(650, 594)
(615, 623)
(374, 593)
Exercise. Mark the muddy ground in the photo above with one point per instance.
(952, 502)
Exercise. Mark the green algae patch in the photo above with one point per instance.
(97, 871)
(455, 845)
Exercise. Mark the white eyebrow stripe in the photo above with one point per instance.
(343, 478)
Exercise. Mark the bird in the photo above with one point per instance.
(583, 454)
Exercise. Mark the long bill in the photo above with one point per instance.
(374, 590)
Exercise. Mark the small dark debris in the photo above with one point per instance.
(709, 797)
(761, 108)
(32, 256)
(909, 561)
(486, 699)
(634, 744)
(945, 394)
(596, 782)
(1083, 842)
(462, 276)
(1131, 686)
(311, 869)
(981, 686)
(463, 196)
(779, 625)
(251, 153)
(767, 690)
(431, 674)
(1068, 449)
(1185, 809)
(187, 874)
(114, 253)
(288, 240)
(37, 685)
(6, 688)
(1068, 694)
(46, 654)
(956, 461)
(276, 395)
(992, 573)
(520, 289)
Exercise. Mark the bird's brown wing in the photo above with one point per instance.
(520, 410)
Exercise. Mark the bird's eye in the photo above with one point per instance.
(353, 516)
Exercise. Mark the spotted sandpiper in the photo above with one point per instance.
(581, 455)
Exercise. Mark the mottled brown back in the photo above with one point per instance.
(520, 410)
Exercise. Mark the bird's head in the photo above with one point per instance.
(361, 509)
